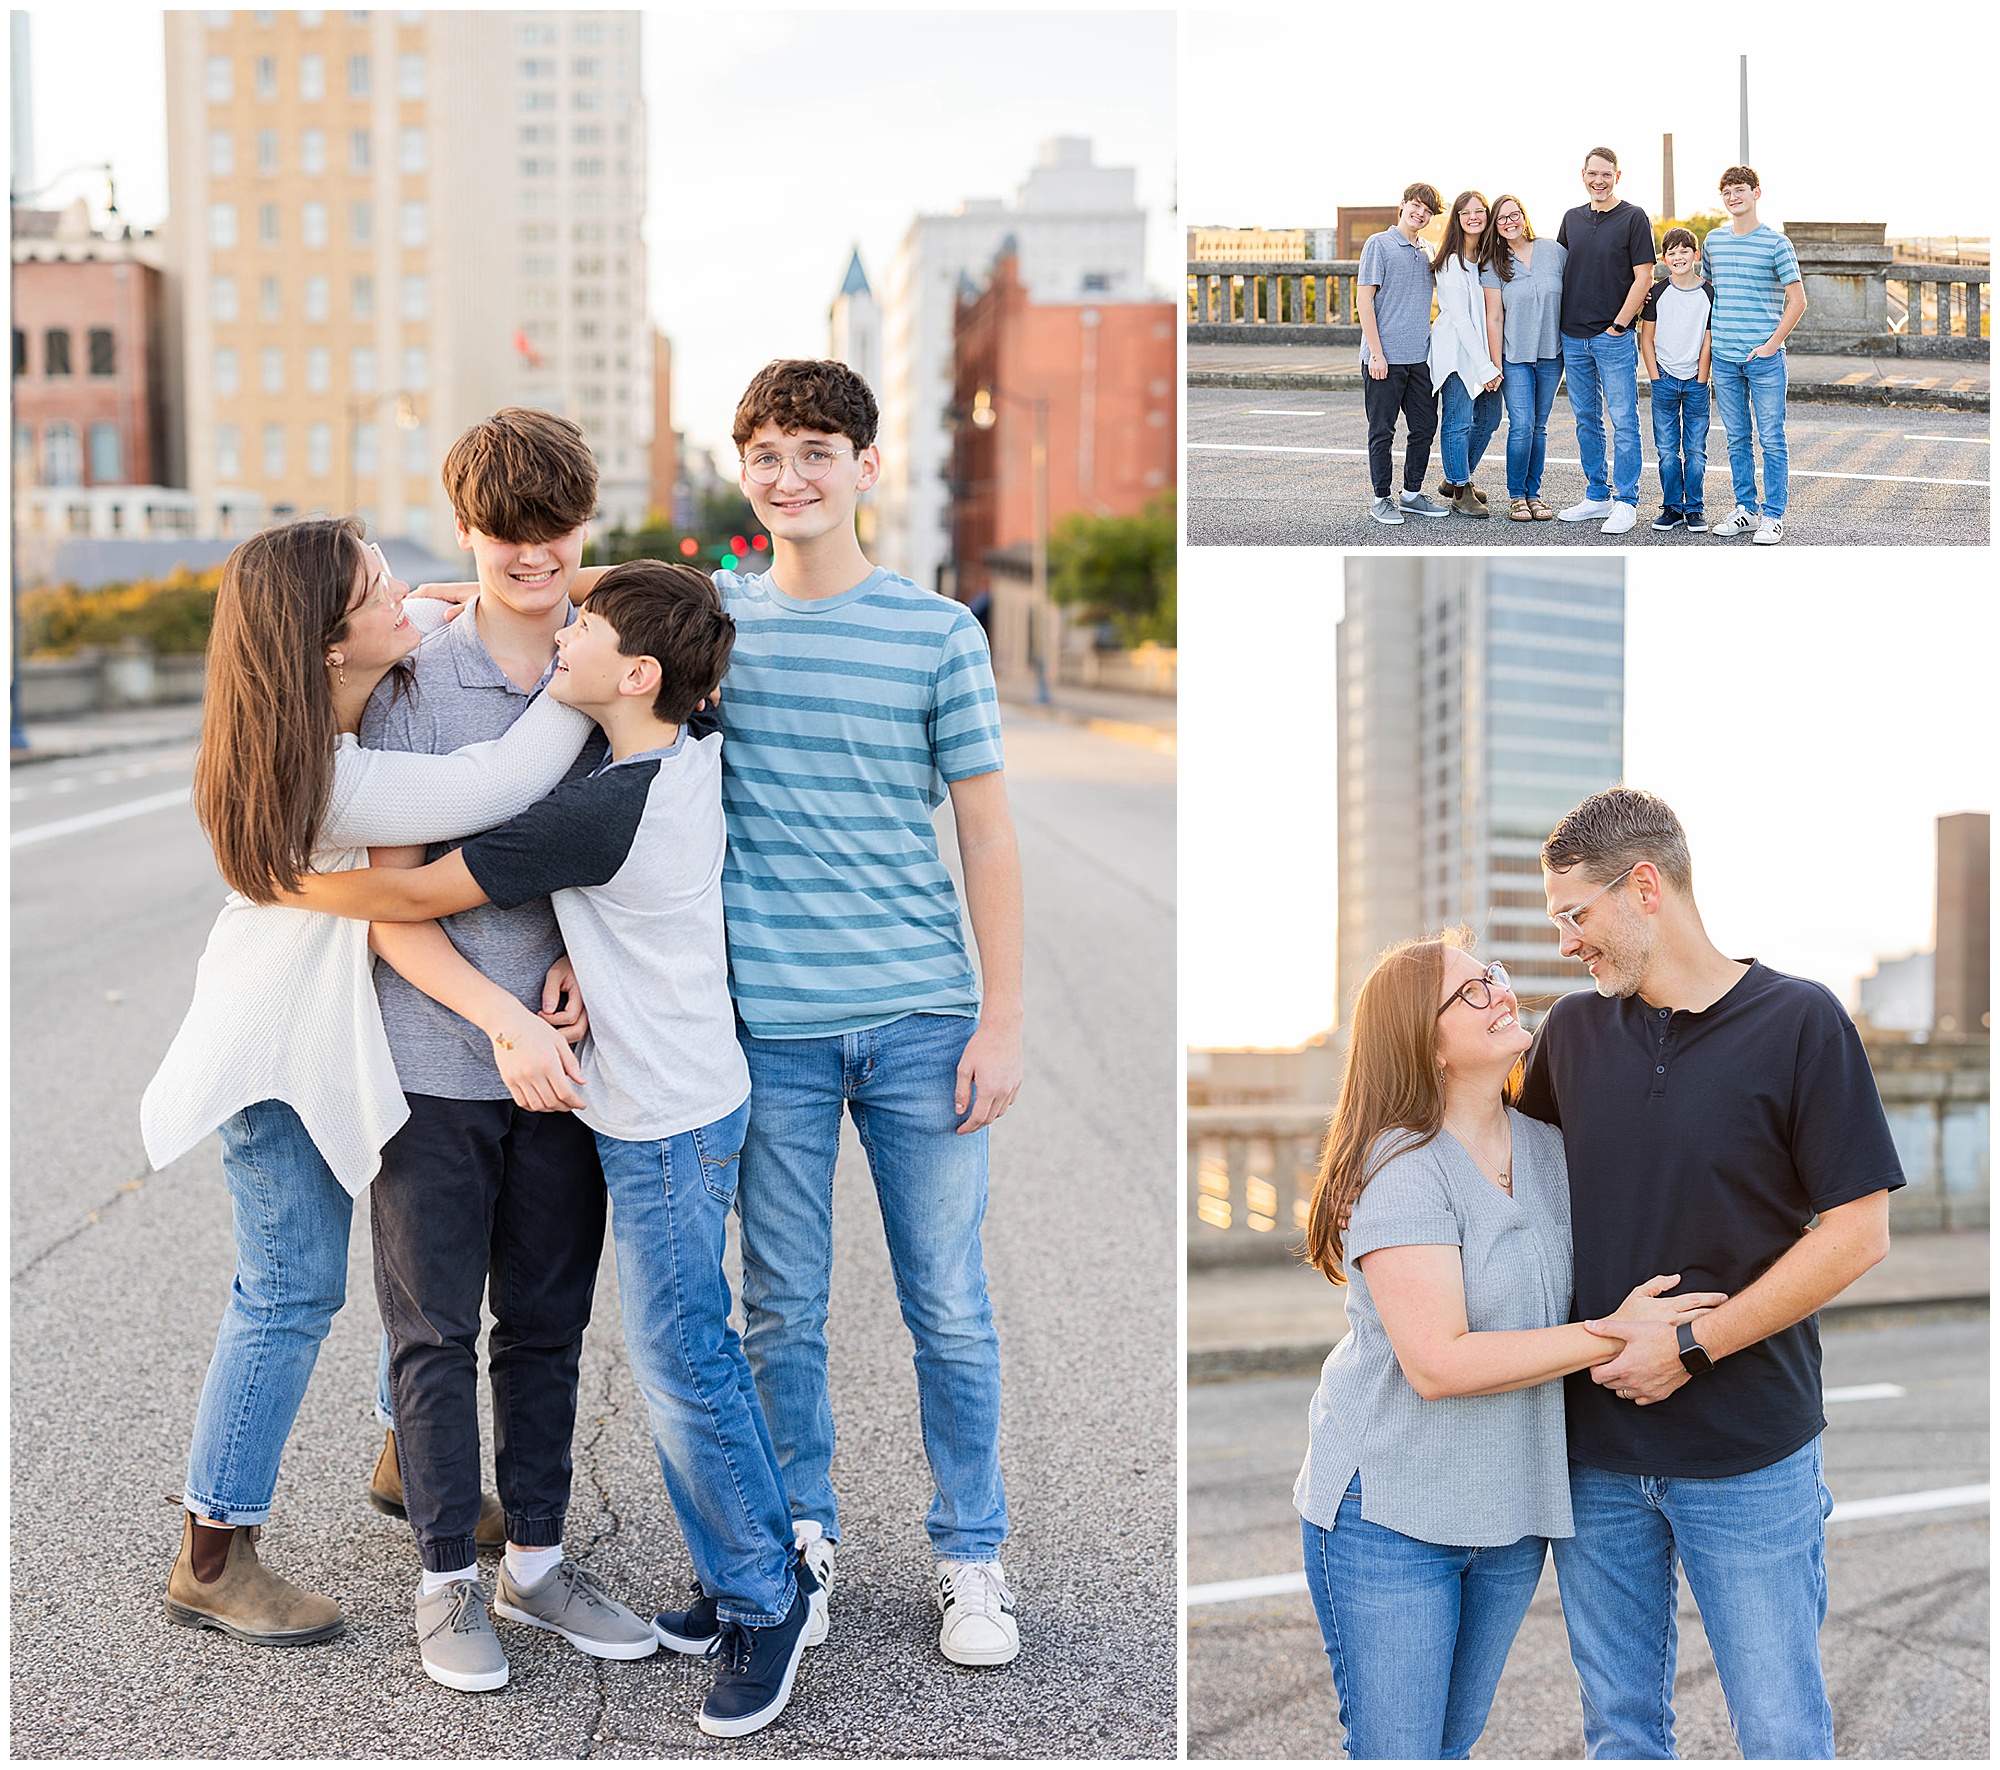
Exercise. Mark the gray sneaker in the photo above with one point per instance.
(1384, 510)
(571, 1601)
(457, 1642)
(1416, 504)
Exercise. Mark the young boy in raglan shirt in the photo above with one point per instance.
(1673, 343)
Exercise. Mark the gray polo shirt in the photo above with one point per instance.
(462, 697)
(1478, 1470)
(1401, 275)
(1531, 305)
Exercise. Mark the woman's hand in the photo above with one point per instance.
(1493, 385)
(568, 1016)
(1646, 1304)
(536, 1063)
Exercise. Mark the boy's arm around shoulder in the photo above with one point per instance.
(391, 893)
(990, 1072)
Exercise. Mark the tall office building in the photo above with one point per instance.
(387, 224)
(1079, 235)
(1478, 699)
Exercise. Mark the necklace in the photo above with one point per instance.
(1503, 1175)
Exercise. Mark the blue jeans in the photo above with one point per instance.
(1754, 1550)
(1417, 1632)
(291, 1218)
(1755, 388)
(1680, 435)
(1466, 425)
(670, 1202)
(1603, 376)
(1530, 389)
(896, 1082)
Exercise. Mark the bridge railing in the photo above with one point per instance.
(1939, 300)
(1250, 1172)
(1316, 296)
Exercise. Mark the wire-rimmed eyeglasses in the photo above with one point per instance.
(814, 461)
(1569, 918)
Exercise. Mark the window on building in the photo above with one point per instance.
(267, 224)
(318, 304)
(587, 134)
(586, 31)
(274, 451)
(361, 298)
(591, 168)
(270, 301)
(538, 134)
(103, 347)
(311, 21)
(538, 101)
(360, 224)
(361, 370)
(228, 371)
(412, 151)
(416, 298)
(228, 453)
(538, 168)
(590, 264)
(359, 155)
(312, 153)
(271, 369)
(357, 76)
(221, 153)
(107, 458)
(586, 101)
(416, 224)
(538, 67)
(267, 153)
(264, 20)
(221, 84)
(319, 373)
(367, 450)
(533, 36)
(587, 67)
(410, 75)
(55, 351)
(216, 21)
(312, 77)
(416, 368)
(62, 456)
(222, 299)
(222, 225)
(319, 450)
(417, 451)
(313, 225)
(20, 353)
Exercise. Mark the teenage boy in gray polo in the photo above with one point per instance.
(1393, 294)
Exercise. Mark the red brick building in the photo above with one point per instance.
(1104, 373)
(90, 395)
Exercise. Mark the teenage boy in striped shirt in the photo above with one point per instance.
(855, 703)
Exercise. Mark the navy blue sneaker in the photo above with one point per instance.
(1667, 519)
(755, 1667)
(692, 1630)
(1693, 519)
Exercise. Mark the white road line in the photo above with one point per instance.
(1982, 441)
(1901, 479)
(90, 820)
(1273, 412)
(1866, 1392)
(1888, 1505)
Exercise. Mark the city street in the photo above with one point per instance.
(1291, 470)
(119, 1278)
(1906, 1643)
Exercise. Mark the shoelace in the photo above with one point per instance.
(458, 1620)
(584, 1584)
(975, 1586)
(731, 1648)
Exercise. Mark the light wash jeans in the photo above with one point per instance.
(1755, 388)
(1680, 437)
(1530, 389)
(1603, 376)
(1754, 1550)
(670, 1202)
(1417, 1633)
(896, 1082)
(1466, 425)
(292, 1219)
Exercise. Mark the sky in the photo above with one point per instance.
(1808, 724)
(751, 214)
(1852, 117)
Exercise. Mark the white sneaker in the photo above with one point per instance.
(1770, 531)
(1623, 519)
(1738, 522)
(816, 1548)
(978, 1609)
(1588, 511)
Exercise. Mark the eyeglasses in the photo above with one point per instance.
(767, 466)
(1480, 991)
(1570, 918)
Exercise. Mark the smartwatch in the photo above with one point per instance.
(1693, 1359)
(1616, 330)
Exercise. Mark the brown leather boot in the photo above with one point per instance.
(246, 1599)
(385, 1494)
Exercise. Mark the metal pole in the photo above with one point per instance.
(1667, 176)
(1743, 110)
(1043, 611)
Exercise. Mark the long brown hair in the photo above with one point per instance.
(1493, 247)
(264, 773)
(1453, 243)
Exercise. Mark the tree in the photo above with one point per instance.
(1119, 569)
(1699, 224)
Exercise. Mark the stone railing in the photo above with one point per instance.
(99, 681)
(1250, 1173)
(1938, 1098)
(1297, 302)
(1942, 304)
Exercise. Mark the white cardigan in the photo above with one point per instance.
(1458, 334)
(284, 1000)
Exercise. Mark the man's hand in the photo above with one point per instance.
(539, 1068)
(1649, 1369)
(562, 1002)
(1770, 347)
(1378, 370)
(989, 1075)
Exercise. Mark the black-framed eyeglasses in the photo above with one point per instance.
(1569, 918)
(1479, 993)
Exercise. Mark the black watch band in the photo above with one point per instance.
(1693, 1359)
(1616, 327)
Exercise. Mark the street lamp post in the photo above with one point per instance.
(1041, 618)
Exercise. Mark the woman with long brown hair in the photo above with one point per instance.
(1465, 353)
(1527, 275)
(1437, 1471)
(283, 1048)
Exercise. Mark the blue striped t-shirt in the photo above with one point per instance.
(844, 720)
(1749, 272)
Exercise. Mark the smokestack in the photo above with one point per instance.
(1743, 110)
(1667, 176)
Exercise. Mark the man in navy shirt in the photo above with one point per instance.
(1711, 1109)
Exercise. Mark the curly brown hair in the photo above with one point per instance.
(802, 393)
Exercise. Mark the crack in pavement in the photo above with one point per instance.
(90, 1221)
(586, 1455)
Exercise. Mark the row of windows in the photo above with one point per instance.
(413, 225)
(542, 298)
(412, 152)
(220, 83)
(582, 99)
(225, 302)
(101, 348)
(581, 134)
(364, 451)
(361, 370)
(582, 67)
(310, 21)
(540, 33)
(62, 452)
(579, 168)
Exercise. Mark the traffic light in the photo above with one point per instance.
(689, 547)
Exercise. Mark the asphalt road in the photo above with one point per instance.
(1906, 1642)
(119, 1278)
(1291, 470)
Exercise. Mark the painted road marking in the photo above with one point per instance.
(1273, 412)
(1888, 1505)
(1983, 441)
(1866, 1392)
(91, 820)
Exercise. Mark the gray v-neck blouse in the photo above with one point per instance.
(1478, 1470)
